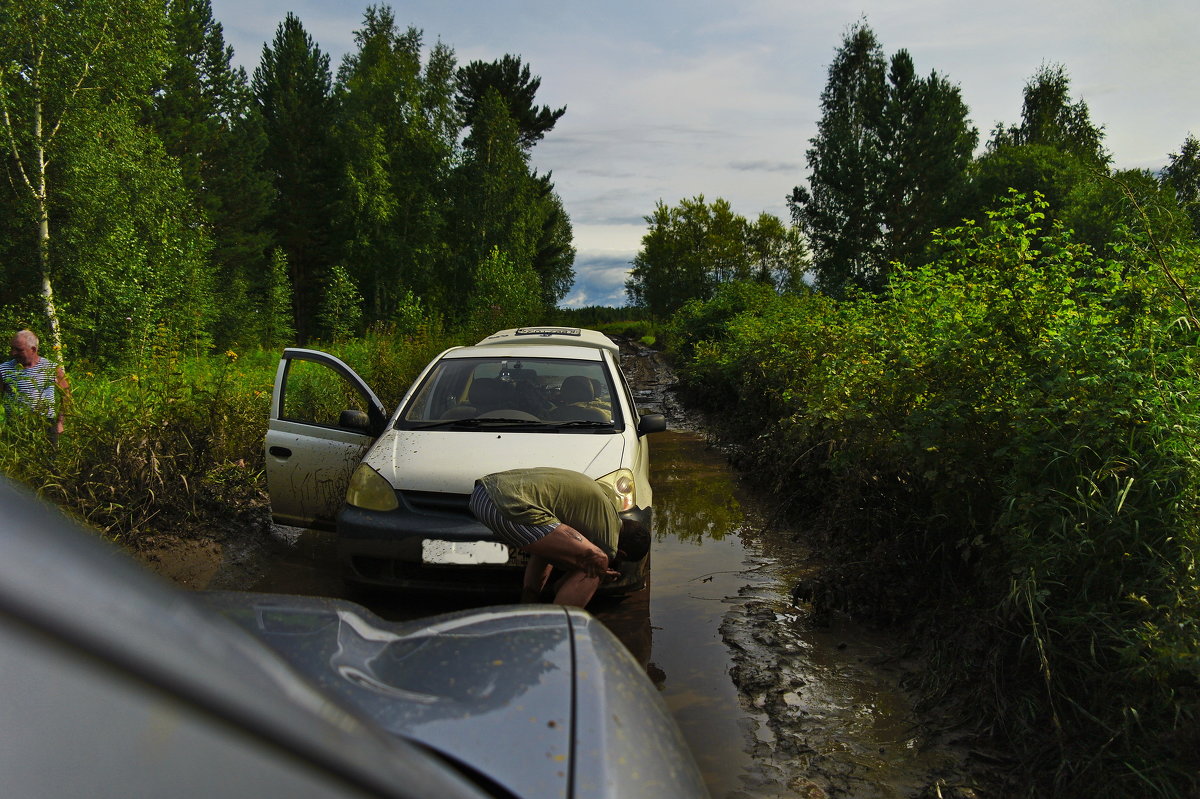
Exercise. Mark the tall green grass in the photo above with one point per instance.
(174, 443)
(1004, 452)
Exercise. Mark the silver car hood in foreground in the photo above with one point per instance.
(542, 700)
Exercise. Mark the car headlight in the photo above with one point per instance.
(621, 481)
(368, 490)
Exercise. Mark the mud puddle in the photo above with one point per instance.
(770, 705)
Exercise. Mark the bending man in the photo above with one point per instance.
(560, 518)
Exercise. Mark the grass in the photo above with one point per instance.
(175, 443)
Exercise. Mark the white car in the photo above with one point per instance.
(395, 488)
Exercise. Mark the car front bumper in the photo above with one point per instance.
(384, 549)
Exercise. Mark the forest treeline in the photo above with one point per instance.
(985, 409)
(895, 159)
(157, 195)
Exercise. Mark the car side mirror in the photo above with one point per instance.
(652, 423)
(355, 420)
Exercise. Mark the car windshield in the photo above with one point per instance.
(559, 393)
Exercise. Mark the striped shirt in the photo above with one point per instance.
(545, 496)
(35, 387)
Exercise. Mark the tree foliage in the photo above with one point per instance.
(398, 131)
(293, 89)
(1182, 175)
(341, 306)
(1002, 440)
(516, 86)
(205, 116)
(110, 251)
(1049, 118)
(886, 165)
(692, 248)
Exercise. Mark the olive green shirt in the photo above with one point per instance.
(547, 495)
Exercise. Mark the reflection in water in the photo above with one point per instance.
(712, 563)
(697, 567)
(694, 494)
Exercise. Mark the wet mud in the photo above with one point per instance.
(772, 701)
(820, 706)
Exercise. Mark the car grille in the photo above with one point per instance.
(437, 502)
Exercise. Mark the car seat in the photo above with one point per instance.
(573, 396)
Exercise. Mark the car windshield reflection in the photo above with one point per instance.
(533, 393)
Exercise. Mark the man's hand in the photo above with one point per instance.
(568, 548)
(593, 563)
(590, 559)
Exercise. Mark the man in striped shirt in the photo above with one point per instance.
(560, 518)
(30, 382)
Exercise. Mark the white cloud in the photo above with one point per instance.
(674, 98)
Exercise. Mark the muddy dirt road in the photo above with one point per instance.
(772, 704)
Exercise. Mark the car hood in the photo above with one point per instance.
(434, 460)
(540, 699)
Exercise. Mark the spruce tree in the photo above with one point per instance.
(205, 116)
(293, 89)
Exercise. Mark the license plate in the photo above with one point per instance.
(462, 553)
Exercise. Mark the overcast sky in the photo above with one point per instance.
(669, 99)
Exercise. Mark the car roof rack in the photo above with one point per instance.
(550, 335)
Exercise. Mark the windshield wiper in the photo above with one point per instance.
(476, 421)
(585, 423)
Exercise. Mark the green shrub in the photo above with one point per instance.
(1006, 440)
(144, 448)
(175, 443)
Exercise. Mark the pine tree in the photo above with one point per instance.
(398, 131)
(554, 252)
(493, 195)
(293, 89)
(516, 86)
(205, 116)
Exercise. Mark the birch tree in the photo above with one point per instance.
(67, 68)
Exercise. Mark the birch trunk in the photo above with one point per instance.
(43, 207)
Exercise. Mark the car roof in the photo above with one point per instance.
(526, 352)
(543, 335)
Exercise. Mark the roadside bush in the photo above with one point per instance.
(1006, 440)
(174, 443)
(147, 447)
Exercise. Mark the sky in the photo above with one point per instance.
(670, 99)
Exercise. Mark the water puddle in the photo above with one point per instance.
(770, 705)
